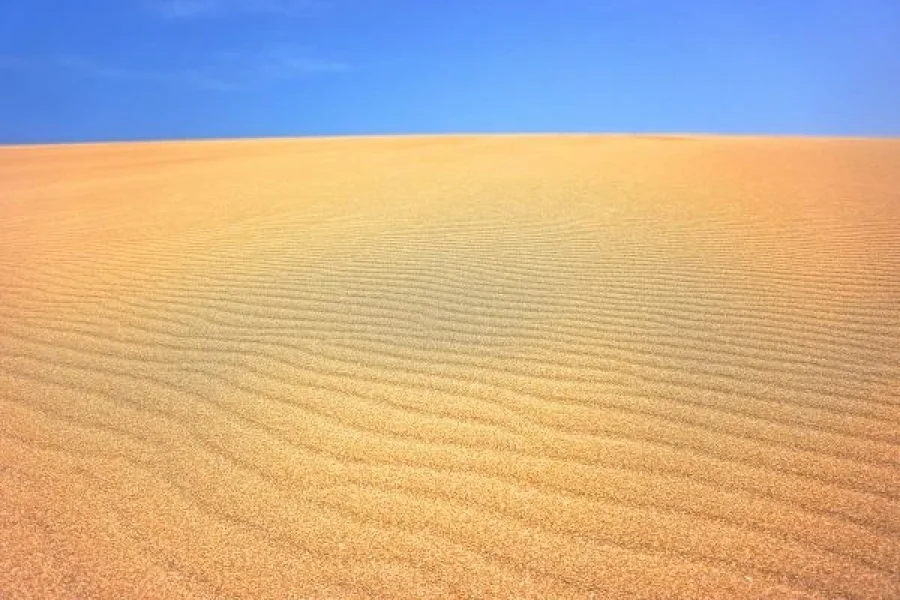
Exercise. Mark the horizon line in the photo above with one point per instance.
(351, 136)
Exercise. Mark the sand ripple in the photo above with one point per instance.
(547, 366)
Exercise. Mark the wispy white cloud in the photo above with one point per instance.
(271, 65)
(201, 80)
(276, 63)
(189, 9)
(91, 68)
(223, 72)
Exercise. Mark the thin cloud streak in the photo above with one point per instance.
(266, 66)
(88, 67)
(226, 72)
(192, 9)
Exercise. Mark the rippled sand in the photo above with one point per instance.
(534, 366)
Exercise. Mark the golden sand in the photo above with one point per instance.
(522, 366)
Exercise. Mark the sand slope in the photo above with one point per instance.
(558, 366)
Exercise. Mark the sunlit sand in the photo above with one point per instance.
(512, 366)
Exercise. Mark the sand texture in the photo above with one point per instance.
(490, 367)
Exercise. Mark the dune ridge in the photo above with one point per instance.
(490, 366)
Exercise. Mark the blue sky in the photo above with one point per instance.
(157, 69)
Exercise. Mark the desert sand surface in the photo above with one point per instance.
(462, 366)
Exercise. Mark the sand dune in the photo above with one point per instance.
(523, 366)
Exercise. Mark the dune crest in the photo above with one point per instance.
(501, 366)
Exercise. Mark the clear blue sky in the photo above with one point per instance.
(143, 69)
